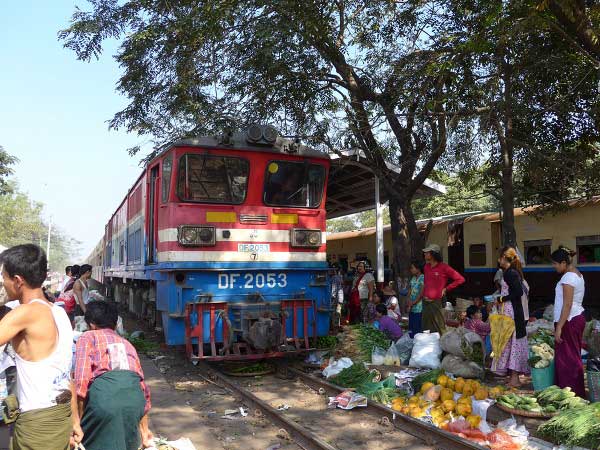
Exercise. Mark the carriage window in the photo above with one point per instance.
(212, 179)
(538, 252)
(166, 177)
(477, 255)
(295, 184)
(588, 249)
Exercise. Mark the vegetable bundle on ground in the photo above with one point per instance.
(574, 427)
(358, 377)
(550, 400)
(357, 342)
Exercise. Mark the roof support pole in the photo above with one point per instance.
(379, 233)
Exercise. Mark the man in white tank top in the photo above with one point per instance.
(41, 336)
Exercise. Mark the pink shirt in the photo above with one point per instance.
(436, 279)
(479, 327)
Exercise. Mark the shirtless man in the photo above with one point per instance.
(42, 337)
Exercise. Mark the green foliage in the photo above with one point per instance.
(21, 222)
(6, 161)
(464, 193)
(428, 85)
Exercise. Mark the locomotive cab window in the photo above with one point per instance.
(588, 249)
(538, 252)
(294, 184)
(212, 179)
(477, 255)
(167, 168)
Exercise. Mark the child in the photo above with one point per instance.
(475, 324)
(386, 324)
(415, 297)
(370, 309)
(391, 301)
(478, 301)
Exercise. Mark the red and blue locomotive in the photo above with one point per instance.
(221, 243)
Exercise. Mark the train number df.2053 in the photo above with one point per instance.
(252, 280)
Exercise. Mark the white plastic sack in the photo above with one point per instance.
(336, 367)
(426, 351)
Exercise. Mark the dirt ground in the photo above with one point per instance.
(343, 429)
(229, 432)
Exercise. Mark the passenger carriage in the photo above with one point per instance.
(471, 242)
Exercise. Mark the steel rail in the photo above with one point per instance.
(433, 436)
(300, 435)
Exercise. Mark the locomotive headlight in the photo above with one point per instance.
(196, 236)
(305, 238)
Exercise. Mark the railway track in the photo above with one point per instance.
(373, 427)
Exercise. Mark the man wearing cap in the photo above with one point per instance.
(437, 277)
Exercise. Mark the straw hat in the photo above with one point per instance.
(388, 291)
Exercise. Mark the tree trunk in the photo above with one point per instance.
(406, 240)
(509, 234)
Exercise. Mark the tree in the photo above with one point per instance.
(6, 161)
(346, 223)
(540, 98)
(21, 222)
(384, 77)
(576, 21)
(465, 192)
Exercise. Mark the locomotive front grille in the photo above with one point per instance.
(253, 218)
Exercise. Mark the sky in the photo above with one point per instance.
(53, 117)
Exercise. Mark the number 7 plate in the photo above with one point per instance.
(254, 248)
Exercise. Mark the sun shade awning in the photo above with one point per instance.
(351, 186)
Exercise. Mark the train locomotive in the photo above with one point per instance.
(221, 244)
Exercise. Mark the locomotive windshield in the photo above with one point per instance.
(212, 179)
(294, 184)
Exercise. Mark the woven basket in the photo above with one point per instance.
(462, 305)
(523, 413)
(593, 380)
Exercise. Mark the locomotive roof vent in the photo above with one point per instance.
(261, 134)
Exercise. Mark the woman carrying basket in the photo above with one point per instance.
(569, 322)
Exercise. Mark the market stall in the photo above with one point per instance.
(442, 381)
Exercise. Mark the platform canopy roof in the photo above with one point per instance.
(351, 187)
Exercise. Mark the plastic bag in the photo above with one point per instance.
(336, 367)
(348, 400)
(392, 357)
(593, 364)
(120, 329)
(179, 444)
(378, 356)
(426, 351)
(404, 346)
(461, 367)
(80, 324)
